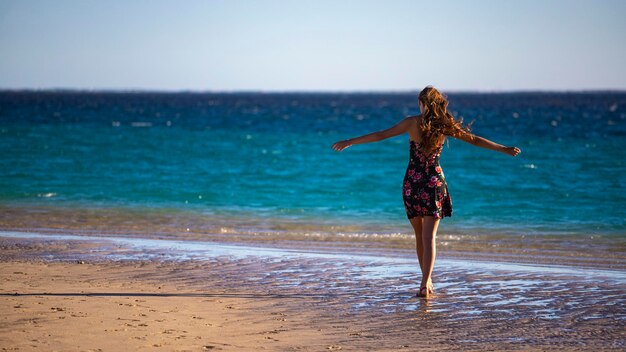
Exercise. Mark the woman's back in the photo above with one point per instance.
(413, 130)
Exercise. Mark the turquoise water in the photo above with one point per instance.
(267, 157)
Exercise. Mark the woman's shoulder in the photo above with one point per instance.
(414, 117)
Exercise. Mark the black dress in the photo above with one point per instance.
(425, 191)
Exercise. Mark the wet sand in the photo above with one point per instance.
(94, 293)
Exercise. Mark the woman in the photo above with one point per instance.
(425, 192)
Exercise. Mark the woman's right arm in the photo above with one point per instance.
(392, 131)
(487, 144)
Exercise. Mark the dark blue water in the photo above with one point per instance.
(267, 157)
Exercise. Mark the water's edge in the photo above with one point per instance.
(164, 249)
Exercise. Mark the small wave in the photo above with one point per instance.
(46, 195)
(141, 124)
(530, 166)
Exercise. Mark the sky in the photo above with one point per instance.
(320, 45)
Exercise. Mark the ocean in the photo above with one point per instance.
(262, 164)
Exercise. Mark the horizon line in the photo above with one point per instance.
(295, 91)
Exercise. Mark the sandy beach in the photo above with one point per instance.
(109, 307)
(80, 293)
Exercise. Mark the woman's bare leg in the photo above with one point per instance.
(429, 232)
(417, 223)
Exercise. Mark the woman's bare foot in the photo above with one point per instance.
(423, 292)
(431, 288)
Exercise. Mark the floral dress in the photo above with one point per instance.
(425, 191)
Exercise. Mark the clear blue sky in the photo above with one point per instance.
(497, 45)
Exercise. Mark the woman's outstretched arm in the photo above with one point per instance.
(392, 131)
(487, 144)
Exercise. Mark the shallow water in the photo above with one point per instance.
(607, 251)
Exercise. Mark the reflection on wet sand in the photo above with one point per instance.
(476, 305)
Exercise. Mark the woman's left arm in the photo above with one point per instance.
(487, 144)
(392, 131)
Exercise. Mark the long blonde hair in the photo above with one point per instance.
(436, 122)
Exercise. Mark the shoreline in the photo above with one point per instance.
(606, 251)
(148, 293)
(121, 248)
(406, 249)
